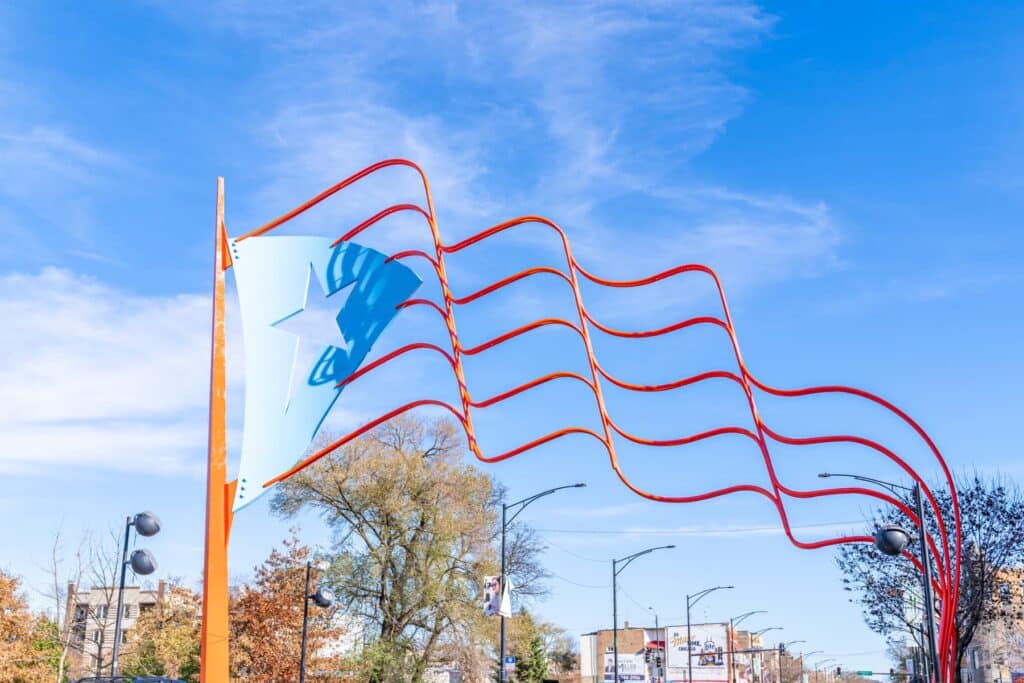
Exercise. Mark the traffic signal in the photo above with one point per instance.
(839, 672)
(657, 660)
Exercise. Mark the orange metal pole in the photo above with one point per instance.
(214, 637)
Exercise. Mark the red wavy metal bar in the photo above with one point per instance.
(947, 576)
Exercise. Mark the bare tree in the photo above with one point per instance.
(62, 580)
(82, 592)
(888, 588)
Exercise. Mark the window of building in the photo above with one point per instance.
(1004, 592)
(96, 636)
(102, 611)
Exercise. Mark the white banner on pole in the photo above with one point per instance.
(492, 596)
(506, 599)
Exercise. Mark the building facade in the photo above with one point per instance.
(644, 655)
(90, 616)
(996, 654)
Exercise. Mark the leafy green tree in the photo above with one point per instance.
(46, 643)
(165, 640)
(20, 660)
(534, 667)
(416, 528)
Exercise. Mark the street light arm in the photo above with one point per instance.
(624, 562)
(765, 630)
(526, 501)
(697, 596)
(737, 620)
(871, 480)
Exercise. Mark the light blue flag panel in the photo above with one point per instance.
(273, 276)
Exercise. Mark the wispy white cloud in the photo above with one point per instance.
(96, 377)
(925, 288)
(47, 169)
(599, 511)
(589, 112)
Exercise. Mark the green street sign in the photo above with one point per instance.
(865, 673)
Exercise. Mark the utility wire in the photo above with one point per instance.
(690, 532)
(581, 585)
(577, 555)
(632, 599)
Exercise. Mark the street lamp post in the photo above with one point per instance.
(616, 570)
(142, 563)
(782, 649)
(657, 639)
(324, 598)
(804, 655)
(692, 600)
(817, 664)
(892, 540)
(733, 623)
(505, 521)
(760, 654)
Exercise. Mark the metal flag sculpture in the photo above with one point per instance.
(282, 415)
(286, 404)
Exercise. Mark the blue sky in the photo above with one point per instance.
(852, 172)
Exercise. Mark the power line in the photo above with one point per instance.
(577, 555)
(689, 532)
(581, 585)
(632, 599)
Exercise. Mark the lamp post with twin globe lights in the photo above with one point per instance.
(323, 598)
(892, 540)
(142, 563)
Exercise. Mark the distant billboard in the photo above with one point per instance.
(707, 650)
(631, 667)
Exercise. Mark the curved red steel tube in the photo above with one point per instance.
(947, 582)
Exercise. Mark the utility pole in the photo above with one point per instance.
(690, 601)
(885, 539)
(521, 504)
(929, 602)
(616, 570)
(733, 623)
(657, 639)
